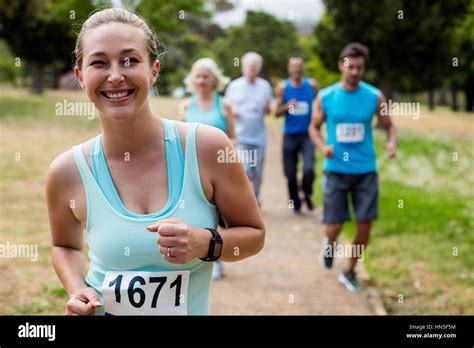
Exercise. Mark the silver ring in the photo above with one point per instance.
(169, 250)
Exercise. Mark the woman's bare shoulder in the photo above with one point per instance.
(63, 173)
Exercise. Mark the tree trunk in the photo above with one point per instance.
(454, 98)
(386, 87)
(443, 96)
(469, 93)
(37, 77)
(431, 99)
(56, 76)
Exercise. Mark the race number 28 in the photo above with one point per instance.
(146, 293)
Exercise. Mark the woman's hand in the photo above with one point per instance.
(83, 302)
(180, 243)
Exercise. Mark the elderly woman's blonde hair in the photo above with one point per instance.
(209, 64)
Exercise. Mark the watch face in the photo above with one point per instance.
(217, 248)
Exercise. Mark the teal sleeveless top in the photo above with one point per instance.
(118, 240)
(174, 159)
(213, 117)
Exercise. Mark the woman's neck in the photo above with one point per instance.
(133, 136)
(205, 96)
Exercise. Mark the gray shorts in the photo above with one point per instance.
(364, 189)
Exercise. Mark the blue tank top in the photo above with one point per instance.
(120, 242)
(349, 128)
(174, 157)
(297, 121)
(213, 117)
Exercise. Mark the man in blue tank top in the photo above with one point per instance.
(350, 166)
(294, 100)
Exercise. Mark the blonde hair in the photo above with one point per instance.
(116, 15)
(209, 64)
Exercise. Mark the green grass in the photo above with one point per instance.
(422, 249)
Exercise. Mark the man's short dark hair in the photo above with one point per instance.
(354, 49)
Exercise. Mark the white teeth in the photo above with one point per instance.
(116, 95)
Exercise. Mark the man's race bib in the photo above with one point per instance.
(300, 109)
(350, 132)
(146, 293)
(251, 109)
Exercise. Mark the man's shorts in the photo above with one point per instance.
(364, 189)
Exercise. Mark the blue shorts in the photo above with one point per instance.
(364, 189)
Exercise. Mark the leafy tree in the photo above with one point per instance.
(314, 66)
(461, 72)
(263, 33)
(35, 34)
(410, 41)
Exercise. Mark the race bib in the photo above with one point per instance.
(300, 109)
(146, 293)
(350, 132)
(251, 110)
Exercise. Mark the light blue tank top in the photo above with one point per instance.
(121, 242)
(213, 117)
(174, 158)
(349, 128)
(297, 121)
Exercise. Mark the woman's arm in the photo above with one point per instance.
(66, 232)
(234, 197)
(183, 109)
(229, 114)
(228, 186)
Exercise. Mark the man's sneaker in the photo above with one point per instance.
(349, 279)
(326, 256)
(217, 271)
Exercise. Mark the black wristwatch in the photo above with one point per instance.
(215, 246)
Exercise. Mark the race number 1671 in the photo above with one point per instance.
(146, 293)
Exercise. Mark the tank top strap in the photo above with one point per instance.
(82, 165)
(92, 191)
(174, 151)
(192, 165)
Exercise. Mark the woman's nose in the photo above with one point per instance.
(116, 74)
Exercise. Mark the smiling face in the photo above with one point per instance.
(116, 72)
(204, 81)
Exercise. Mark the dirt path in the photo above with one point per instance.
(285, 278)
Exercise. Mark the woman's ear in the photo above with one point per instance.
(78, 75)
(155, 71)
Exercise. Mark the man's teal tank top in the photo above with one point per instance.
(213, 117)
(349, 117)
(118, 240)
